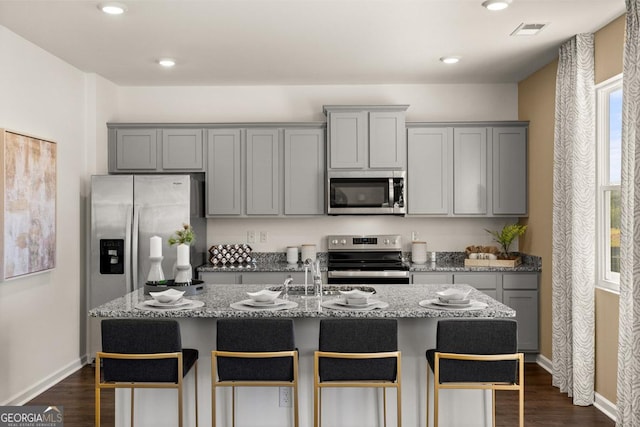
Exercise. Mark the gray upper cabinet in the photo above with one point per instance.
(263, 172)
(387, 140)
(133, 150)
(224, 172)
(139, 149)
(366, 137)
(470, 171)
(509, 149)
(182, 150)
(429, 170)
(304, 171)
(348, 139)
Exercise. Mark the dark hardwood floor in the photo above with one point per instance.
(544, 405)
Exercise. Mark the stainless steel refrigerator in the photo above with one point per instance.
(126, 211)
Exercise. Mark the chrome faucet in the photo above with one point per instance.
(285, 287)
(317, 278)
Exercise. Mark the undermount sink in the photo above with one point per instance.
(326, 289)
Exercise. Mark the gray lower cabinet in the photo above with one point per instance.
(224, 172)
(304, 172)
(429, 170)
(219, 278)
(432, 278)
(140, 149)
(516, 290)
(263, 172)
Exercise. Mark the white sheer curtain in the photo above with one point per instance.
(574, 208)
(629, 337)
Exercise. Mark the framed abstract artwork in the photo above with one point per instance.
(28, 182)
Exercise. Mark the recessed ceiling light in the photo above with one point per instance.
(496, 4)
(450, 59)
(112, 8)
(167, 62)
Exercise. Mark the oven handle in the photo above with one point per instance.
(386, 273)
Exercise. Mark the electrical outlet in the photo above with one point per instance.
(285, 397)
(251, 236)
(414, 235)
(264, 236)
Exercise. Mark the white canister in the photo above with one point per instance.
(292, 254)
(308, 252)
(419, 252)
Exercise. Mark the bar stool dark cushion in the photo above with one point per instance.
(358, 336)
(255, 335)
(144, 336)
(476, 336)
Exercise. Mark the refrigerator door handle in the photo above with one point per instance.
(128, 247)
(134, 246)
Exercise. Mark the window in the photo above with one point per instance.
(609, 162)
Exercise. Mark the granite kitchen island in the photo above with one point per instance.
(344, 407)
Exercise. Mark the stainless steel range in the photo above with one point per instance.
(367, 259)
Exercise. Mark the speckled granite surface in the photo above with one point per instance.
(403, 303)
(445, 262)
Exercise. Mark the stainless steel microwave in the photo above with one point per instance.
(366, 192)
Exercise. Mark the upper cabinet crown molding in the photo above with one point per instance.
(329, 108)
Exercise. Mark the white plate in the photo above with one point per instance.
(434, 303)
(451, 304)
(150, 305)
(179, 303)
(251, 303)
(337, 304)
(454, 301)
(347, 304)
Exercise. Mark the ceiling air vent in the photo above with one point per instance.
(528, 29)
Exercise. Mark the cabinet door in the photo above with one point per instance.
(525, 303)
(182, 150)
(509, 148)
(217, 278)
(429, 170)
(347, 139)
(387, 140)
(304, 177)
(223, 172)
(487, 283)
(263, 278)
(432, 278)
(470, 171)
(137, 149)
(263, 172)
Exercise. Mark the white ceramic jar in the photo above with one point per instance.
(419, 252)
(292, 254)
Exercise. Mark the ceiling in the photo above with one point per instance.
(273, 42)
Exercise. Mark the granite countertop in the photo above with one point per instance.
(446, 262)
(402, 299)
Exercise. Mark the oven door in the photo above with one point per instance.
(371, 277)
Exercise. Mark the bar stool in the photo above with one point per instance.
(476, 354)
(143, 353)
(357, 353)
(254, 353)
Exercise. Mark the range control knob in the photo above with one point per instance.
(334, 242)
(386, 241)
(343, 241)
(394, 242)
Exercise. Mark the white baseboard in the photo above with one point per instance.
(545, 363)
(38, 388)
(601, 403)
(606, 407)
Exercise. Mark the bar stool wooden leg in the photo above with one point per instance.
(384, 405)
(131, 406)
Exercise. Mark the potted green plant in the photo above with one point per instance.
(183, 235)
(506, 236)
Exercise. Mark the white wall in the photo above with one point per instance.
(304, 103)
(40, 316)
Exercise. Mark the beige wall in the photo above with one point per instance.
(536, 96)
